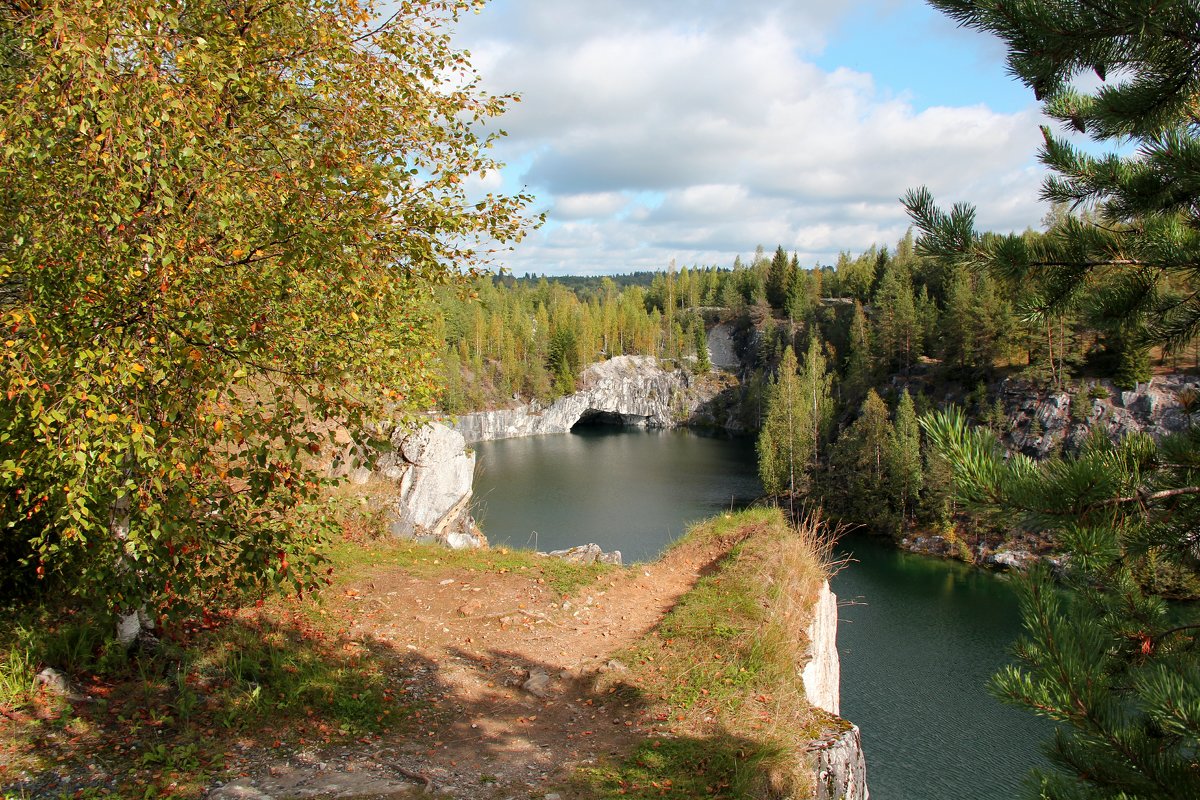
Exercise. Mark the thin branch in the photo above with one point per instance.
(1149, 497)
(1181, 628)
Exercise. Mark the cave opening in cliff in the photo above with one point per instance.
(593, 418)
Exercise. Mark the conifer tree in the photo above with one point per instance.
(703, 362)
(779, 280)
(927, 321)
(904, 456)
(859, 485)
(859, 364)
(801, 302)
(816, 386)
(1112, 662)
(784, 448)
(897, 332)
(799, 412)
(958, 328)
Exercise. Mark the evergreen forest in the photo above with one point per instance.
(880, 336)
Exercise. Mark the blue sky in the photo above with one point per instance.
(692, 131)
(911, 48)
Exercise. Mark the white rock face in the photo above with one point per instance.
(822, 675)
(838, 763)
(435, 485)
(721, 351)
(633, 388)
(433, 471)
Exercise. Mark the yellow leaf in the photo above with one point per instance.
(218, 425)
(138, 368)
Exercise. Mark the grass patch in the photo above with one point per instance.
(366, 545)
(430, 560)
(729, 527)
(723, 671)
(683, 768)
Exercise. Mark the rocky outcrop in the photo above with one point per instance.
(1041, 424)
(629, 390)
(1044, 423)
(839, 766)
(431, 471)
(841, 769)
(822, 674)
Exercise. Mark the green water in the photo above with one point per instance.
(628, 490)
(919, 637)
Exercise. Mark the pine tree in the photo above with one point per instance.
(784, 448)
(859, 465)
(958, 323)
(927, 321)
(897, 333)
(1112, 662)
(700, 340)
(993, 324)
(801, 298)
(816, 386)
(799, 412)
(859, 366)
(936, 506)
(779, 280)
(904, 456)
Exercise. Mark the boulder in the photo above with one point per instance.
(1012, 559)
(435, 487)
(240, 790)
(431, 471)
(590, 553)
(57, 683)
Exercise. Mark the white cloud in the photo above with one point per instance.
(588, 205)
(712, 109)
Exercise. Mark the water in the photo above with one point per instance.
(918, 645)
(628, 490)
(919, 638)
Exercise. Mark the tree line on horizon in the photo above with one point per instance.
(883, 312)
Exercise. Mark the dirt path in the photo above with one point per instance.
(507, 670)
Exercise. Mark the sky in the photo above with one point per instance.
(693, 131)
